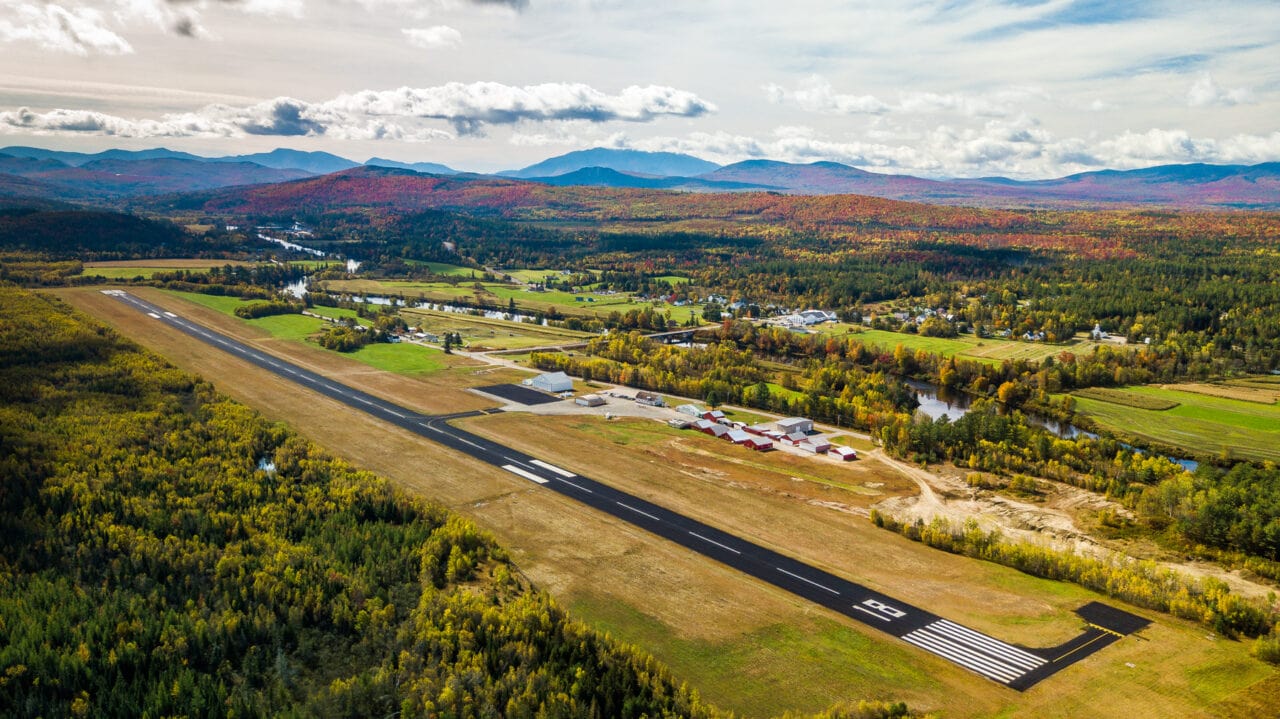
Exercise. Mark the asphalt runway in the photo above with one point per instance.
(1011, 665)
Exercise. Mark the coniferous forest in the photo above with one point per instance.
(167, 552)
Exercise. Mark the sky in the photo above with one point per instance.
(935, 88)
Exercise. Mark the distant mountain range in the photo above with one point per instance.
(73, 176)
(636, 162)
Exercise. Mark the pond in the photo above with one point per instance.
(938, 402)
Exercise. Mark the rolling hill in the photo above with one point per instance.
(658, 164)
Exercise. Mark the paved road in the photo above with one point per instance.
(1010, 665)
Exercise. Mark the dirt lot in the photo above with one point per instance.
(745, 645)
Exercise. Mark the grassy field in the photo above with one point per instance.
(987, 350)
(1248, 390)
(481, 333)
(447, 270)
(743, 656)
(1201, 423)
(401, 358)
(129, 269)
(1128, 399)
(744, 645)
(500, 295)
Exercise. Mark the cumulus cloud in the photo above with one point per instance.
(816, 94)
(1017, 148)
(400, 114)
(436, 36)
(79, 31)
(1205, 92)
(468, 107)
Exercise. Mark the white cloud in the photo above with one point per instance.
(435, 36)
(468, 107)
(1205, 92)
(376, 115)
(816, 94)
(1017, 148)
(79, 31)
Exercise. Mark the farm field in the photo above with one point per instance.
(128, 269)
(1201, 423)
(401, 358)
(482, 333)
(990, 349)
(745, 646)
(500, 295)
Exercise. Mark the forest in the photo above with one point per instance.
(165, 551)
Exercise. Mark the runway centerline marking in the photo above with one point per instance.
(712, 541)
(575, 484)
(810, 581)
(639, 511)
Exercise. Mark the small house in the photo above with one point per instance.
(680, 423)
(703, 425)
(714, 415)
(738, 436)
(759, 444)
(794, 424)
(651, 399)
(589, 400)
(553, 382)
(844, 454)
(794, 439)
(717, 430)
(759, 429)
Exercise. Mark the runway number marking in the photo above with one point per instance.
(880, 610)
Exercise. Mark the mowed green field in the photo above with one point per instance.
(582, 304)
(1200, 423)
(401, 358)
(966, 346)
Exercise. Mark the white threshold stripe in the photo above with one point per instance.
(527, 475)
(969, 651)
(810, 581)
(958, 659)
(993, 666)
(1002, 655)
(988, 644)
(170, 314)
(1020, 664)
(712, 541)
(553, 468)
(877, 615)
(156, 316)
(639, 511)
